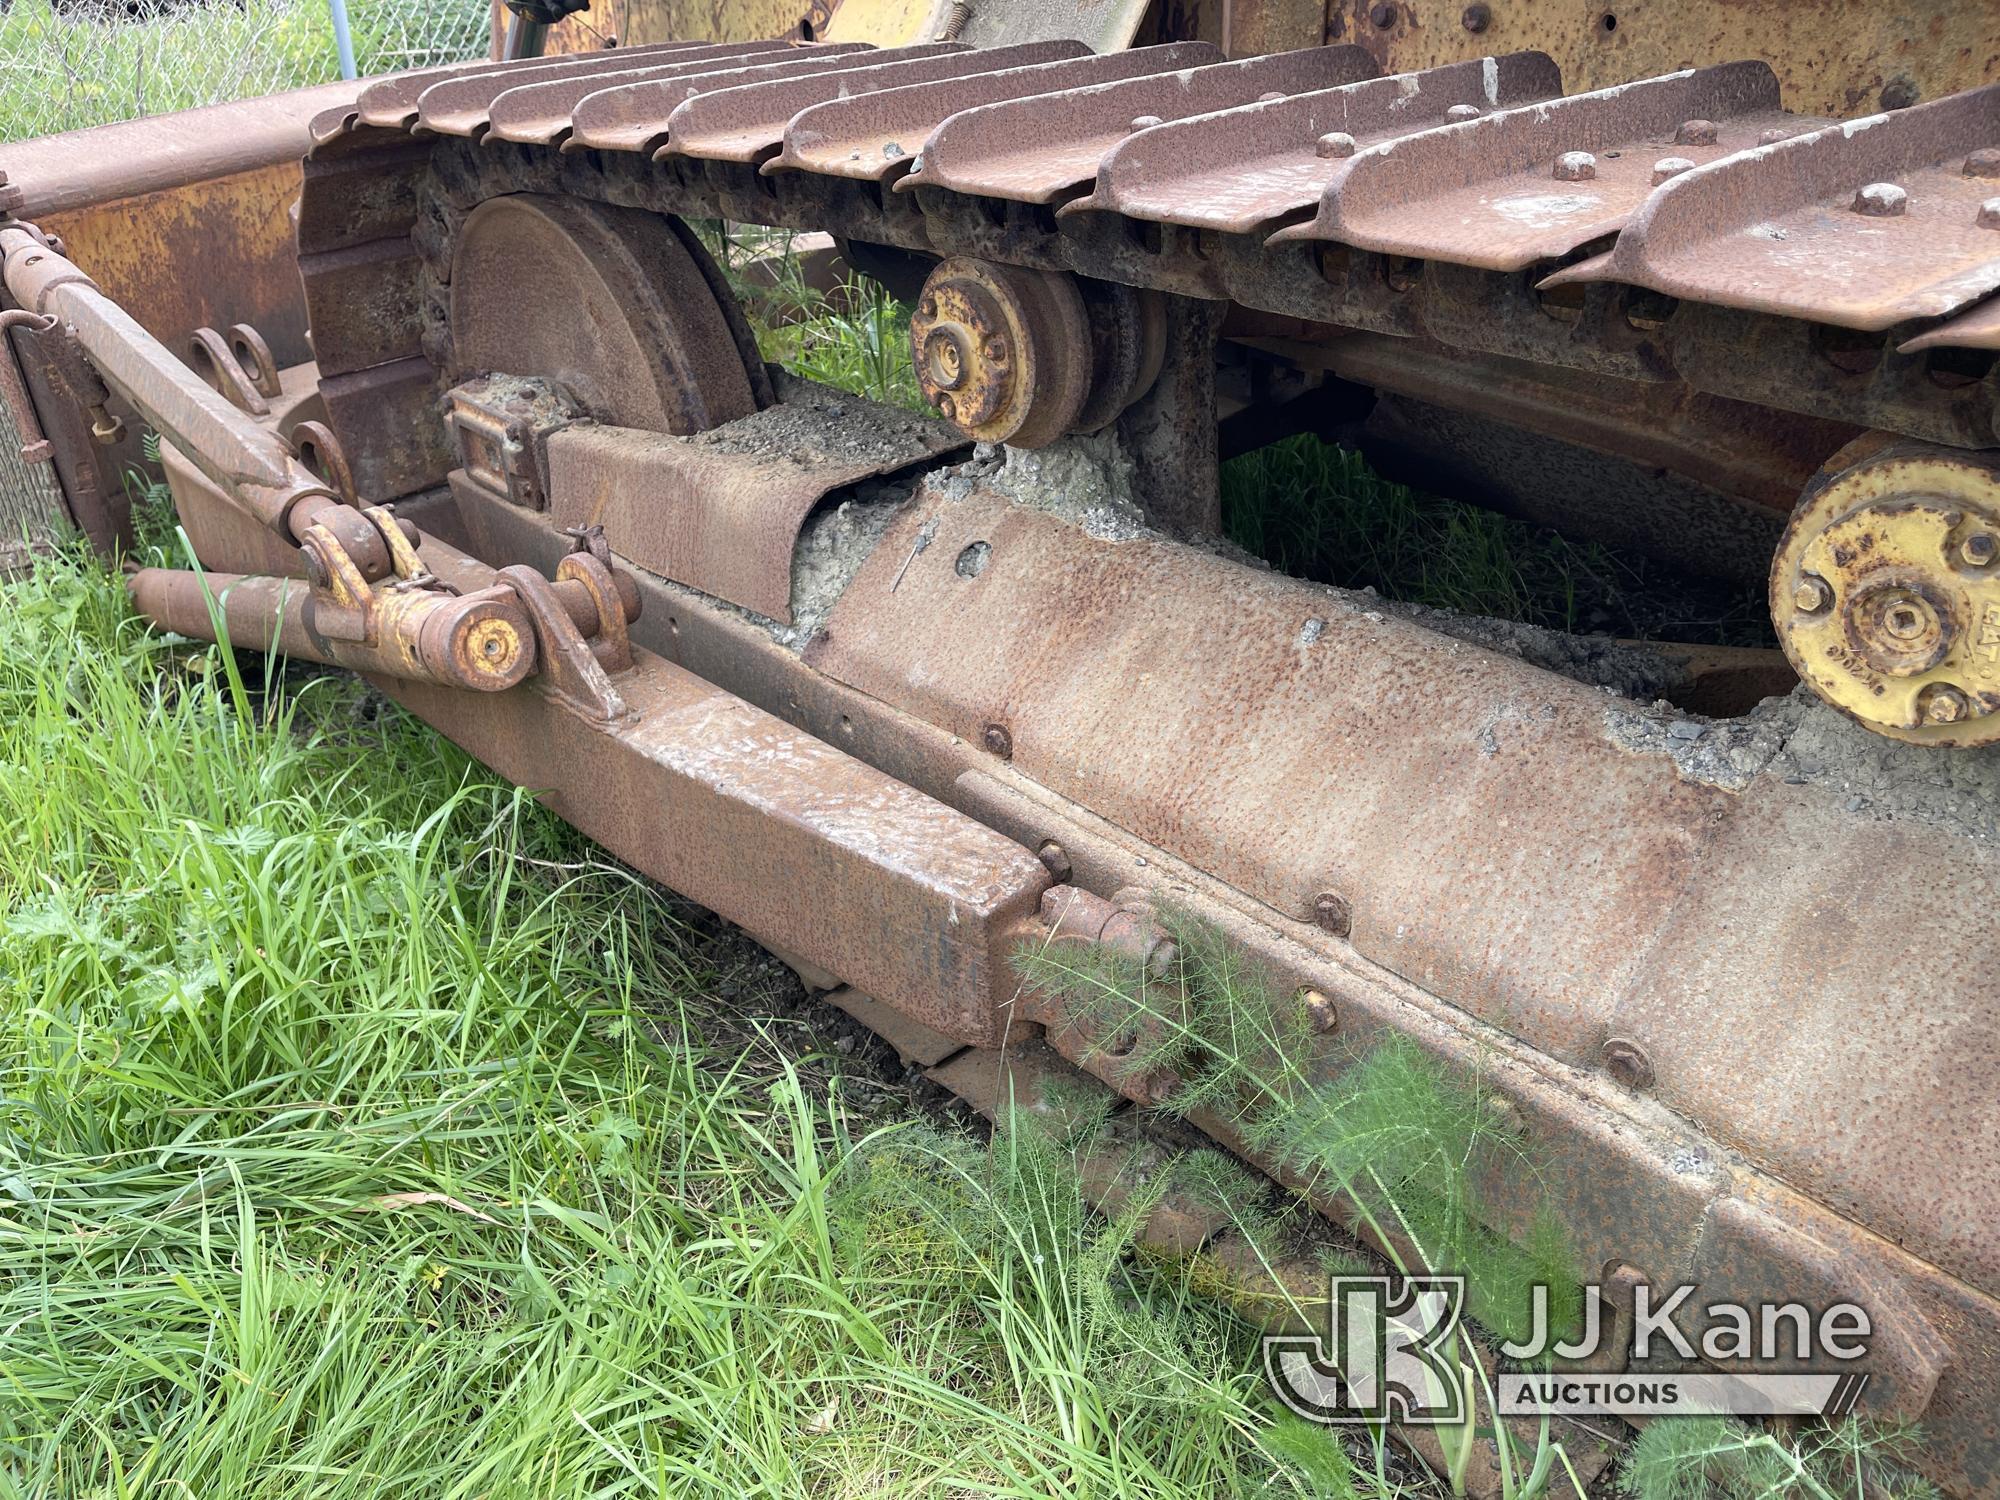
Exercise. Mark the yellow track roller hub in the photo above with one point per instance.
(1886, 591)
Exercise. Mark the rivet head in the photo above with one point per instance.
(1321, 1013)
(1476, 18)
(1985, 162)
(1988, 216)
(1335, 143)
(1575, 166)
(996, 739)
(1384, 16)
(1332, 913)
(1145, 122)
(1462, 112)
(1812, 596)
(1627, 1062)
(1696, 133)
(1881, 200)
(1670, 166)
(1980, 548)
(1944, 704)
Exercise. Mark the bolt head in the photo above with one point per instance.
(1462, 112)
(1055, 859)
(1773, 136)
(1575, 166)
(1985, 162)
(1980, 549)
(1627, 1062)
(1622, 1283)
(1670, 166)
(1332, 913)
(1882, 200)
(997, 740)
(1904, 621)
(1696, 133)
(1145, 122)
(1945, 704)
(996, 350)
(1812, 595)
(1988, 216)
(947, 408)
(1476, 18)
(1899, 93)
(1383, 17)
(1335, 143)
(1321, 1013)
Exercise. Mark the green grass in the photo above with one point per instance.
(1319, 512)
(363, 1132)
(66, 70)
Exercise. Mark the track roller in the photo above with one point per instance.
(1012, 355)
(1886, 590)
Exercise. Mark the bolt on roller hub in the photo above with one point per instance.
(1002, 352)
(1886, 592)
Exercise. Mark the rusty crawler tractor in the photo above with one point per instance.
(1610, 268)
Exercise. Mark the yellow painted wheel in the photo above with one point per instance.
(1886, 591)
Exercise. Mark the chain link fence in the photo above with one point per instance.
(65, 64)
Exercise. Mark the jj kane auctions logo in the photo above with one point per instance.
(1390, 1355)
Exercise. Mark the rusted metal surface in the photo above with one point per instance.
(242, 457)
(502, 425)
(1837, 57)
(539, 114)
(139, 203)
(1741, 451)
(460, 106)
(1978, 329)
(880, 135)
(788, 836)
(1035, 150)
(1506, 188)
(720, 512)
(1863, 224)
(635, 22)
(394, 102)
(1241, 168)
(610, 303)
(916, 1044)
(1436, 761)
(1439, 832)
(748, 124)
(83, 170)
(1104, 25)
(1443, 214)
(33, 447)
